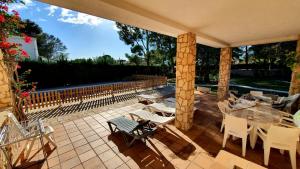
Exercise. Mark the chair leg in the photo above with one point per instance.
(244, 140)
(225, 139)
(29, 149)
(51, 140)
(222, 126)
(293, 158)
(266, 155)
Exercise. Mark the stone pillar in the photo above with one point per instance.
(224, 72)
(5, 93)
(295, 79)
(185, 80)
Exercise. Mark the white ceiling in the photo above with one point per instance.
(217, 23)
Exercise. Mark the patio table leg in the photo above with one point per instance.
(253, 136)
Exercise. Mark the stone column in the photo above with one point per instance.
(224, 72)
(295, 79)
(185, 80)
(5, 93)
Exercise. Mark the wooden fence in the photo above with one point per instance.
(47, 98)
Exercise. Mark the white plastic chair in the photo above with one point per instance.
(224, 108)
(236, 127)
(281, 138)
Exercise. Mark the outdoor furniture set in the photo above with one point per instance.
(276, 128)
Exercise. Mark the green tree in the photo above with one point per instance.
(140, 40)
(50, 46)
(105, 60)
(135, 59)
(31, 28)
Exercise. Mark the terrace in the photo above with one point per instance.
(194, 139)
(84, 141)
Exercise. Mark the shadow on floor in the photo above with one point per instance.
(178, 145)
(142, 155)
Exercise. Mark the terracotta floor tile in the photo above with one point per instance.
(132, 164)
(107, 155)
(76, 138)
(100, 149)
(74, 134)
(78, 167)
(96, 143)
(79, 143)
(70, 163)
(83, 149)
(63, 143)
(114, 162)
(92, 138)
(93, 163)
(123, 166)
(65, 148)
(68, 155)
(87, 155)
(53, 162)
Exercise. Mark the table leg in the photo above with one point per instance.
(253, 136)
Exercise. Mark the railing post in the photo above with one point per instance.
(112, 93)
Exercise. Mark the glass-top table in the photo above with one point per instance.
(258, 116)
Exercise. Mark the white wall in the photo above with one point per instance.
(30, 48)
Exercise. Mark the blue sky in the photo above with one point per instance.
(84, 35)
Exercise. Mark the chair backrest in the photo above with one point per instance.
(282, 137)
(256, 93)
(235, 126)
(223, 107)
(15, 123)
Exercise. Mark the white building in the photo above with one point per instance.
(30, 48)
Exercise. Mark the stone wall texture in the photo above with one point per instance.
(185, 80)
(295, 79)
(224, 73)
(5, 93)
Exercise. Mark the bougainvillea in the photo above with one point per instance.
(10, 25)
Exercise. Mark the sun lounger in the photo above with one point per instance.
(149, 97)
(162, 108)
(154, 118)
(139, 131)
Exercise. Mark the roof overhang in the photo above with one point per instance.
(217, 23)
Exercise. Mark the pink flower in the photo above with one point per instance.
(2, 19)
(24, 94)
(5, 45)
(12, 52)
(27, 39)
(16, 13)
(5, 8)
(18, 67)
(25, 54)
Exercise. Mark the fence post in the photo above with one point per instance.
(112, 93)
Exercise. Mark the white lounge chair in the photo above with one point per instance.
(29, 131)
(149, 97)
(154, 118)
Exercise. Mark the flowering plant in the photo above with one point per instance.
(10, 25)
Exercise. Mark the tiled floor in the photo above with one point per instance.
(84, 141)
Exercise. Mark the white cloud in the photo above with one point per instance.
(115, 27)
(81, 18)
(66, 13)
(20, 6)
(52, 10)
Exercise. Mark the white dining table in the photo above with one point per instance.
(258, 116)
